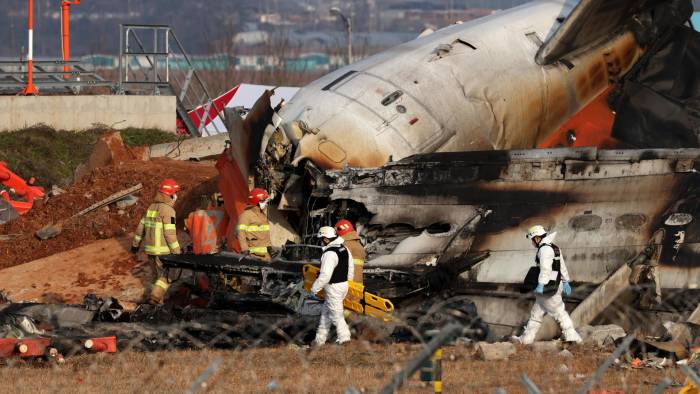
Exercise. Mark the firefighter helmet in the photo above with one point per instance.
(169, 187)
(257, 196)
(343, 227)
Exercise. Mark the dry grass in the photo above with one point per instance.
(329, 370)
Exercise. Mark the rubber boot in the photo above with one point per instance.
(158, 291)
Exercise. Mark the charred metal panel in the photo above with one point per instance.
(603, 205)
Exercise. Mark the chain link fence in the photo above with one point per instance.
(162, 349)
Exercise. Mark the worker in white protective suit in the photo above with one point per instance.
(550, 261)
(336, 271)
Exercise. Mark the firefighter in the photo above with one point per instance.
(550, 261)
(336, 271)
(207, 227)
(157, 230)
(352, 241)
(253, 227)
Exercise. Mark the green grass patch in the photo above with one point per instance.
(47, 154)
(146, 137)
(51, 156)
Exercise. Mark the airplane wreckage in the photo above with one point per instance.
(582, 116)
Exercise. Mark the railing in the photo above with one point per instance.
(144, 67)
(49, 76)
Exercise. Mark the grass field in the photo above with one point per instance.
(332, 369)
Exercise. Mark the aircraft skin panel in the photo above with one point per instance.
(467, 87)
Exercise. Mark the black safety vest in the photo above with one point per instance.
(532, 277)
(340, 273)
(556, 263)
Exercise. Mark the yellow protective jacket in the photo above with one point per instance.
(254, 231)
(157, 228)
(354, 245)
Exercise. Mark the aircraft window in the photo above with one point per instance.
(586, 222)
(391, 97)
(460, 41)
(438, 228)
(630, 221)
(338, 80)
(400, 109)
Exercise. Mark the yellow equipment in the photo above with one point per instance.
(357, 300)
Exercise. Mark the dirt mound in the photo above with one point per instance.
(108, 150)
(195, 179)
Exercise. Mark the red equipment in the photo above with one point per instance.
(21, 188)
(257, 196)
(169, 187)
(101, 345)
(27, 347)
(343, 227)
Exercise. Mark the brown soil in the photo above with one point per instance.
(329, 370)
(105, 268)
(195, 179)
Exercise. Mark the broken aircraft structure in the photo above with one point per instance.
(428, 147)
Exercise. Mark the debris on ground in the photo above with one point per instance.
(601, 336)
(127, 201)
(546, 346)
(51, 230)
(565, 353)
(495, 351)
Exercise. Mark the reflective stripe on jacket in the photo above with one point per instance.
(157, 228)
(352, 242)
(254, 231)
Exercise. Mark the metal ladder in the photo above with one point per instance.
(146, 69)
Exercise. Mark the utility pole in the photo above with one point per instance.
(348, 26)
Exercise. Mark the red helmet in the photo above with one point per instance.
(169, 187)
(343, 227)
(257, 196)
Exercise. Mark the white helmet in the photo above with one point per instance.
(326, 232)
(535, 231)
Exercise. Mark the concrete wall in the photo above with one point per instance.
(84, 112)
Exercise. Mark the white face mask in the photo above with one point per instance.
(174, 197)
(263, 205)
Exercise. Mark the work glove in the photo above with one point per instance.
(567, 289)
(312, 296)
(540, 288)
(134, 249)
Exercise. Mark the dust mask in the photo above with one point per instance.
(263, 205)
(174, 197)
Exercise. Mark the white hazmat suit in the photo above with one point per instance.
(332, 312)
(550, 304)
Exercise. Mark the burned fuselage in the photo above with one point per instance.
(606, 207)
